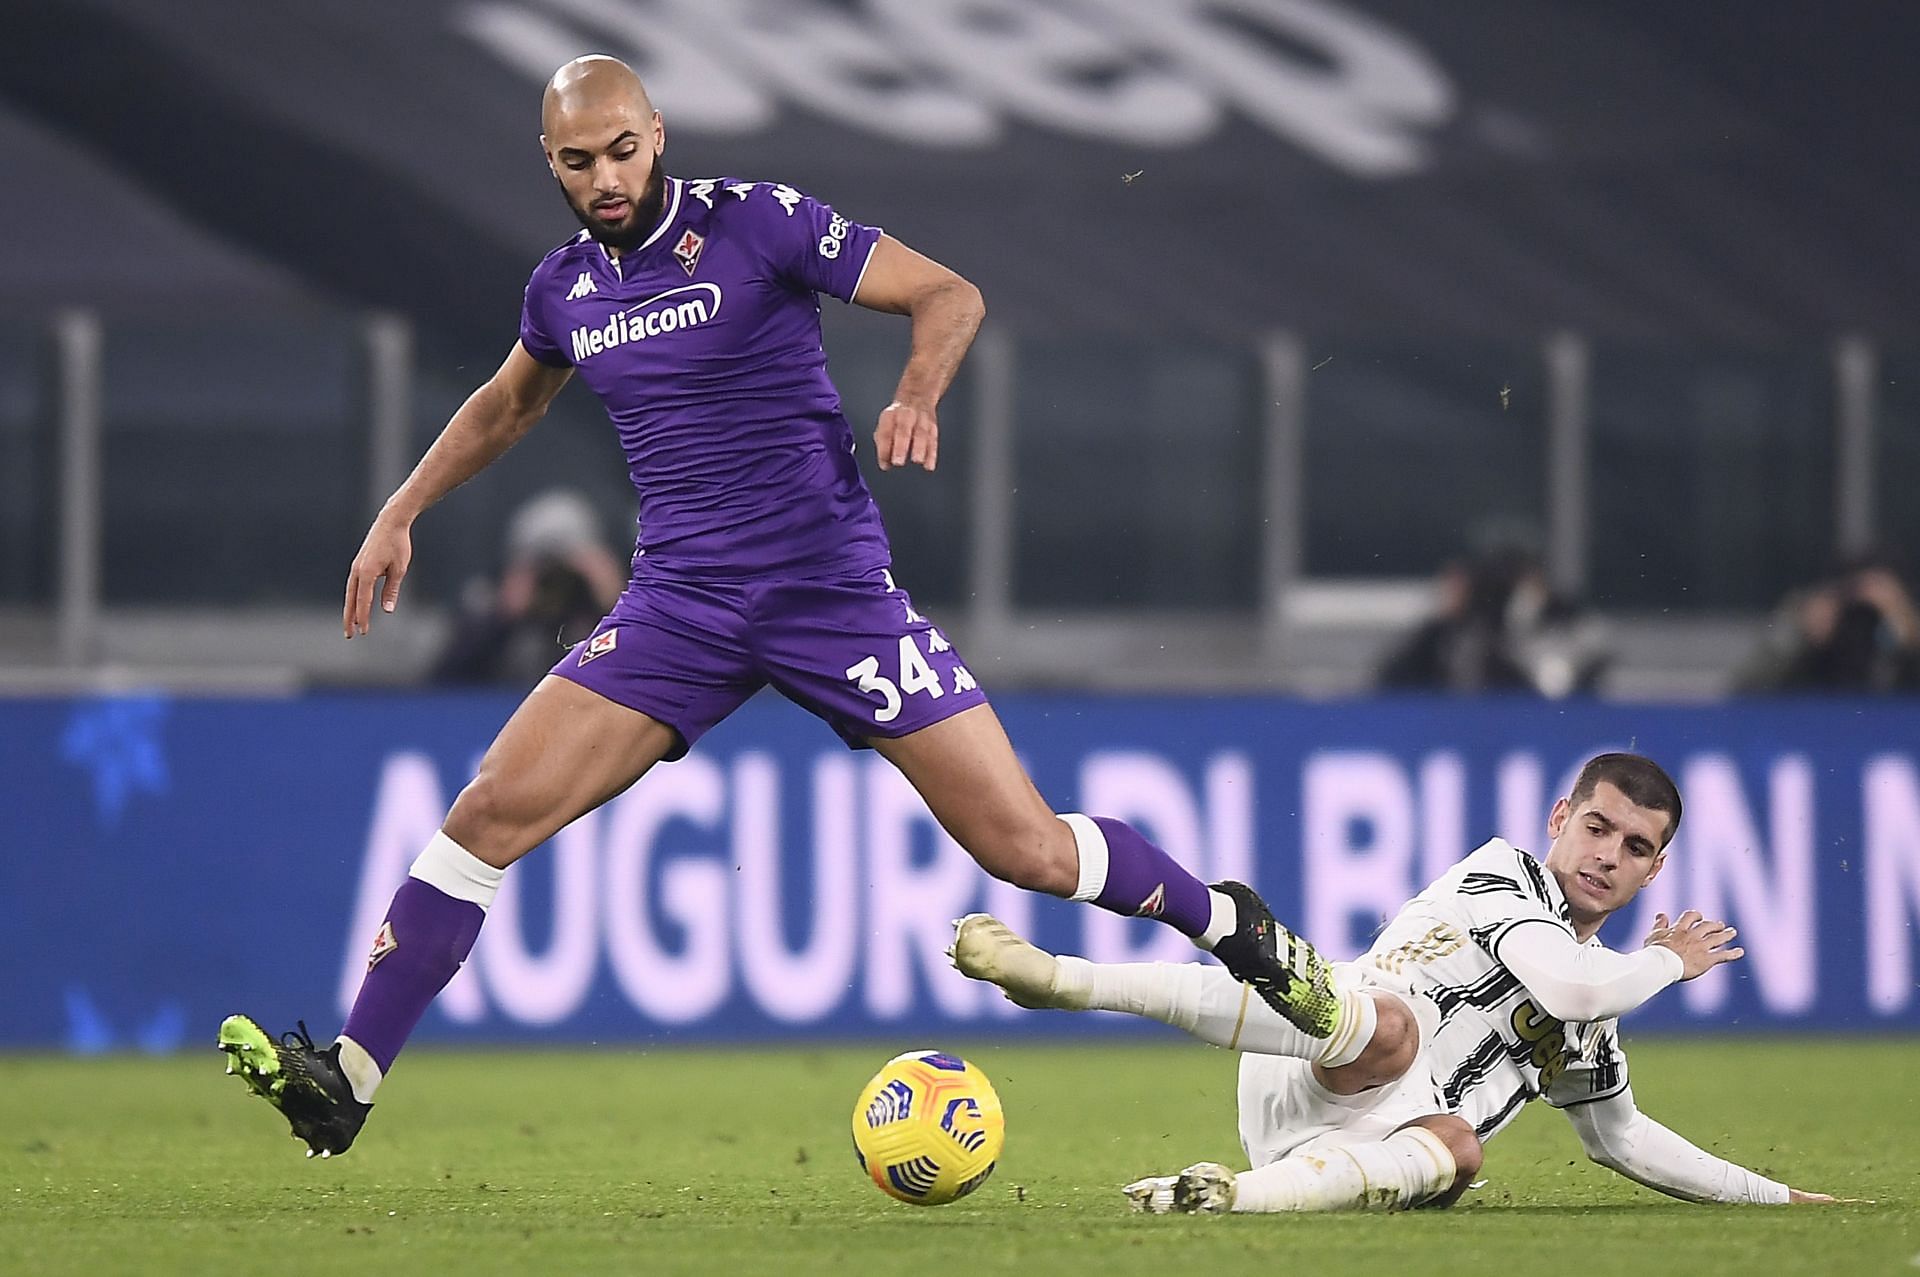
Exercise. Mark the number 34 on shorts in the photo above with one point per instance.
(894, 676)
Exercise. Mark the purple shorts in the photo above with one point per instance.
(850, 649)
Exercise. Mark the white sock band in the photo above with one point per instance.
(1359, 1018)
(363, 1075)
(1221, 922)
(454, 870)
(1399, 1172)
(1092, 846)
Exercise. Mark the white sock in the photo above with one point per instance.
(447, 867)
(452, 869)
(1399, 1172)
(1226, 915)
(363, 1075)
(1091, 846)
(1214, 1007)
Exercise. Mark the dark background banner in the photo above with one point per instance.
(1639, 170)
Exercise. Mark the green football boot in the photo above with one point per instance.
(304, 1082)
(1288, 973)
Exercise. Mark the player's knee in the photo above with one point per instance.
(1032, 853)
(1463, 1145)
(1461, 1141)
(1468, 1154)
(1395, 1043)
(487, 821)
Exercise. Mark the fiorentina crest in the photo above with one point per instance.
(599, 645)
(383, 944)
(687, 251)
(1154, 905)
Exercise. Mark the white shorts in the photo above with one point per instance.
(1284, 1110)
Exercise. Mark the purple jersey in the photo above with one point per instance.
(704, 345)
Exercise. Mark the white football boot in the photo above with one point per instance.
(985, 948)
(1205, 1188)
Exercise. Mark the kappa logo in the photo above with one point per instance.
(581, 287)
(1155, 903)
(599, 645)
(383, 944)
(687, 251)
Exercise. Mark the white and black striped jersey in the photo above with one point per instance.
(1495, 1049)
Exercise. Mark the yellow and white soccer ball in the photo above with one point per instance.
(928, 1128)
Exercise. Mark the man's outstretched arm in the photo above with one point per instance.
(946, 311)
(1617, 1135)
(493, 419)
(1577, 982)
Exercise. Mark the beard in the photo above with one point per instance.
(639, 222)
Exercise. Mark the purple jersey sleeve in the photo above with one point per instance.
(532, 335)
(813, 247)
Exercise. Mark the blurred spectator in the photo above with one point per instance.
(560, 579)
(1856, 631)
(1499, 627)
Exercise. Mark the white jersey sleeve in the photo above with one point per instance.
(1574, 981)
(1617, 1135)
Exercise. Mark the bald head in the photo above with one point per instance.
(603, 141)
(593, 83)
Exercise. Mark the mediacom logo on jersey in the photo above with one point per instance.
(650, 318)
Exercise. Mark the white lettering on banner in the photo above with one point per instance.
(845, 885)
(703, 88)
(1357, 845)
(408, 807)
(1521, 804)
(549, 988)
(1013, 906)
(1362, 104)
(1443, 814)
(1364, 98)
(833, 62)
(1047, 67)
(913, 905)
(1727, 877)
(673, 988)
(1148, 791)
(796, 985)
(1890, 815)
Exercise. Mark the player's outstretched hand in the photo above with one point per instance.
(1702, 943)
(386, 552)
(906, 434)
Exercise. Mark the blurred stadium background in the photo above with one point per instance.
(1557, 366)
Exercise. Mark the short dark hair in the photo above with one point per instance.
(1643, 781)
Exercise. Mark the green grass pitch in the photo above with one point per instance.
(682, 1161)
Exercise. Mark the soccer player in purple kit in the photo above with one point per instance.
(691, 308)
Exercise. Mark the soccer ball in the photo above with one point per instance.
(928, 1128)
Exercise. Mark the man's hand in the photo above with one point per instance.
(906, 433)
(1699, 941)
(386, 552)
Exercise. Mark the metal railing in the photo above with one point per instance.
(1270, 642)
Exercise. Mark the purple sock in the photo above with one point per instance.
(426, 936)
(1145, 882)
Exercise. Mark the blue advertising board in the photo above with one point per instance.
(167, 861)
